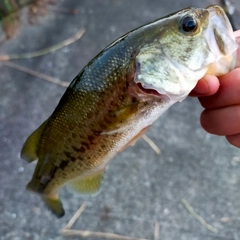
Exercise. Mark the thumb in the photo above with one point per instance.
(237, 36)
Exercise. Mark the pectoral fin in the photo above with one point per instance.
(29, 150)
(87, 185)
(54, 205)
(117, 120)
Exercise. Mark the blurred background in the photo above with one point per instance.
(142, 191)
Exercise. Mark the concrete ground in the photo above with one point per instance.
(140, 187)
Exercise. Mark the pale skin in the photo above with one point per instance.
(220, 96)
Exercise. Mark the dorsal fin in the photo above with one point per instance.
(29, 150)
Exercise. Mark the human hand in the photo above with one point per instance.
(221, 99)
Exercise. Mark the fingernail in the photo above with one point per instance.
(202, 87)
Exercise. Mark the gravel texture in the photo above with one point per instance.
(140, 187)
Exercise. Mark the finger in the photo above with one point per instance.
(237, 36)
(222, 122)
(209, 84)
(238, 52)
(228, 93)
(206, 86)
(234, 140)
(237, 33)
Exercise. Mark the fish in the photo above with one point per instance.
(120, 93)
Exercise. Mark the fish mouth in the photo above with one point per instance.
(137, 90)
(222, 35)
(149, 91)
(221, 41)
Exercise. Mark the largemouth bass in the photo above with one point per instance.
(120, 93)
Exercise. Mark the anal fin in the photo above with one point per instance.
(87, 185)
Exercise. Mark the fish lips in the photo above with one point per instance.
(221, 41)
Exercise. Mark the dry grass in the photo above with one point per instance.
(198, 217)
(67, 231)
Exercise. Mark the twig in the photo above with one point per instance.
(76, 216)
(151, 144)
(36, 74)
(70, 232)
(199, 218)
(225, 219)
(157, 231)
(46, 50)
(63, 11)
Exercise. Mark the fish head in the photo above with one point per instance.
(186, 46)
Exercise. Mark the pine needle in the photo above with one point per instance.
(199, 218)
(70, 232)
(151, 144)
(36, 74)
(76, 216)
(46, 50)
(157, 231)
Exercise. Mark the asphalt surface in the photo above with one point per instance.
(140, 187)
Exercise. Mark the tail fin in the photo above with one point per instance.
(54, 205)
(52, 201)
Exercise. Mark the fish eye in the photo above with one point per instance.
(188, 24)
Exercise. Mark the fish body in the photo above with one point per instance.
(120, 93)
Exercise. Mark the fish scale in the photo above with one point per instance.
(120, 93)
